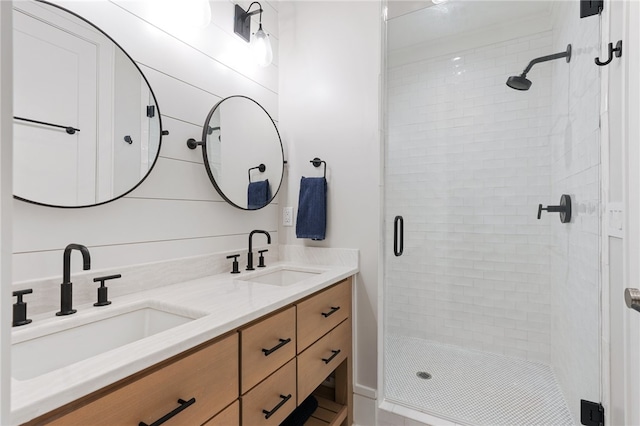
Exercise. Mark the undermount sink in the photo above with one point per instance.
(36, 356)
(282, 276)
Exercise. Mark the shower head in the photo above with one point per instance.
(520, 82)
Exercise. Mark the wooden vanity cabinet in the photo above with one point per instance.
(228, 416)
(255, 376)
(266, 346)
(320, 313)
(208, 374)
(324, 348)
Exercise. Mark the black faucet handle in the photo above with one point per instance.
(102, 290)
(261, 259)
(236, 266)
(106, 278)
(20, 308)
(20, 293)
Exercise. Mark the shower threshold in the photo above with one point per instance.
(470, 386)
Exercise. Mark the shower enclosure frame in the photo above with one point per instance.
(604, 348)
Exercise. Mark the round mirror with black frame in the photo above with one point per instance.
(87, 127)
(242, 152)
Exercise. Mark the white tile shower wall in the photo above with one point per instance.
(176, 212)
(467, 165)
(575, 170)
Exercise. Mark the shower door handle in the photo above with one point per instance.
(398, 236)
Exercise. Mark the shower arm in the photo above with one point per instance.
(565, 54)
(543, 59)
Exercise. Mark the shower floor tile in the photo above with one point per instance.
(472, 387)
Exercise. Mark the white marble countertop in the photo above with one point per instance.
(220, 303)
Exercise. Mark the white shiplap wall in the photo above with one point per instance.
(176, 212)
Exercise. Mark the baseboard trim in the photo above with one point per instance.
(365, 391)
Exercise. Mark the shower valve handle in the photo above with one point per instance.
(564, 209)
(550, 209)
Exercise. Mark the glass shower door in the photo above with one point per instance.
(491, 314)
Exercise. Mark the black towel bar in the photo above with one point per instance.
(317, 162)
(261, 167)
(70, 130)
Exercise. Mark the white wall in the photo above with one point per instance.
(575, 170)
(467, 164)
(176, 212)
(329, 97)
(6, 190)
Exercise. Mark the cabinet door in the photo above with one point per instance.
(266, 346)
(229, 417)
(322, 312)
(210, 376)
(321, 358)
(269, 403)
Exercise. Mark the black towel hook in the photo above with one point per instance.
(317, 162)
(261, 167)
(617, 51)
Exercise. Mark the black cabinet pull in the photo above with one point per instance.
(333, 355)
(398, 236)
(268, 414)
(183, 404)
(333, 310)
(283, 342)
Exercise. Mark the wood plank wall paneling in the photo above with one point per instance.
(174, 145)
(176, 212)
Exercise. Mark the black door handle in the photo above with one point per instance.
(333, 310)
(283, 342)
(268, 414)
(334, 353)
(183, 404)
(398, 236)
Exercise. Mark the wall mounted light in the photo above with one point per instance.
(260, 45)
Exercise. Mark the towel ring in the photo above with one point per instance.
(316, 163)
(261, 167)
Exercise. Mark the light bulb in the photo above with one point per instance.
(261, 47)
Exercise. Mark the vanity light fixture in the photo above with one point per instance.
(260, 45)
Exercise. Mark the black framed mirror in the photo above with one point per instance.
(87, 127)
(242, 152)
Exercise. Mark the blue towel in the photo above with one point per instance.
(258, 194)
(312, 208)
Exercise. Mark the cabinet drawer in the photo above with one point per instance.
(320, 313)
(209, 375)
(275, 397)
(266, 346)
(229, 417)
(321, 358)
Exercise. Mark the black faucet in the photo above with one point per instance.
(66, 299)
(250, 254)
